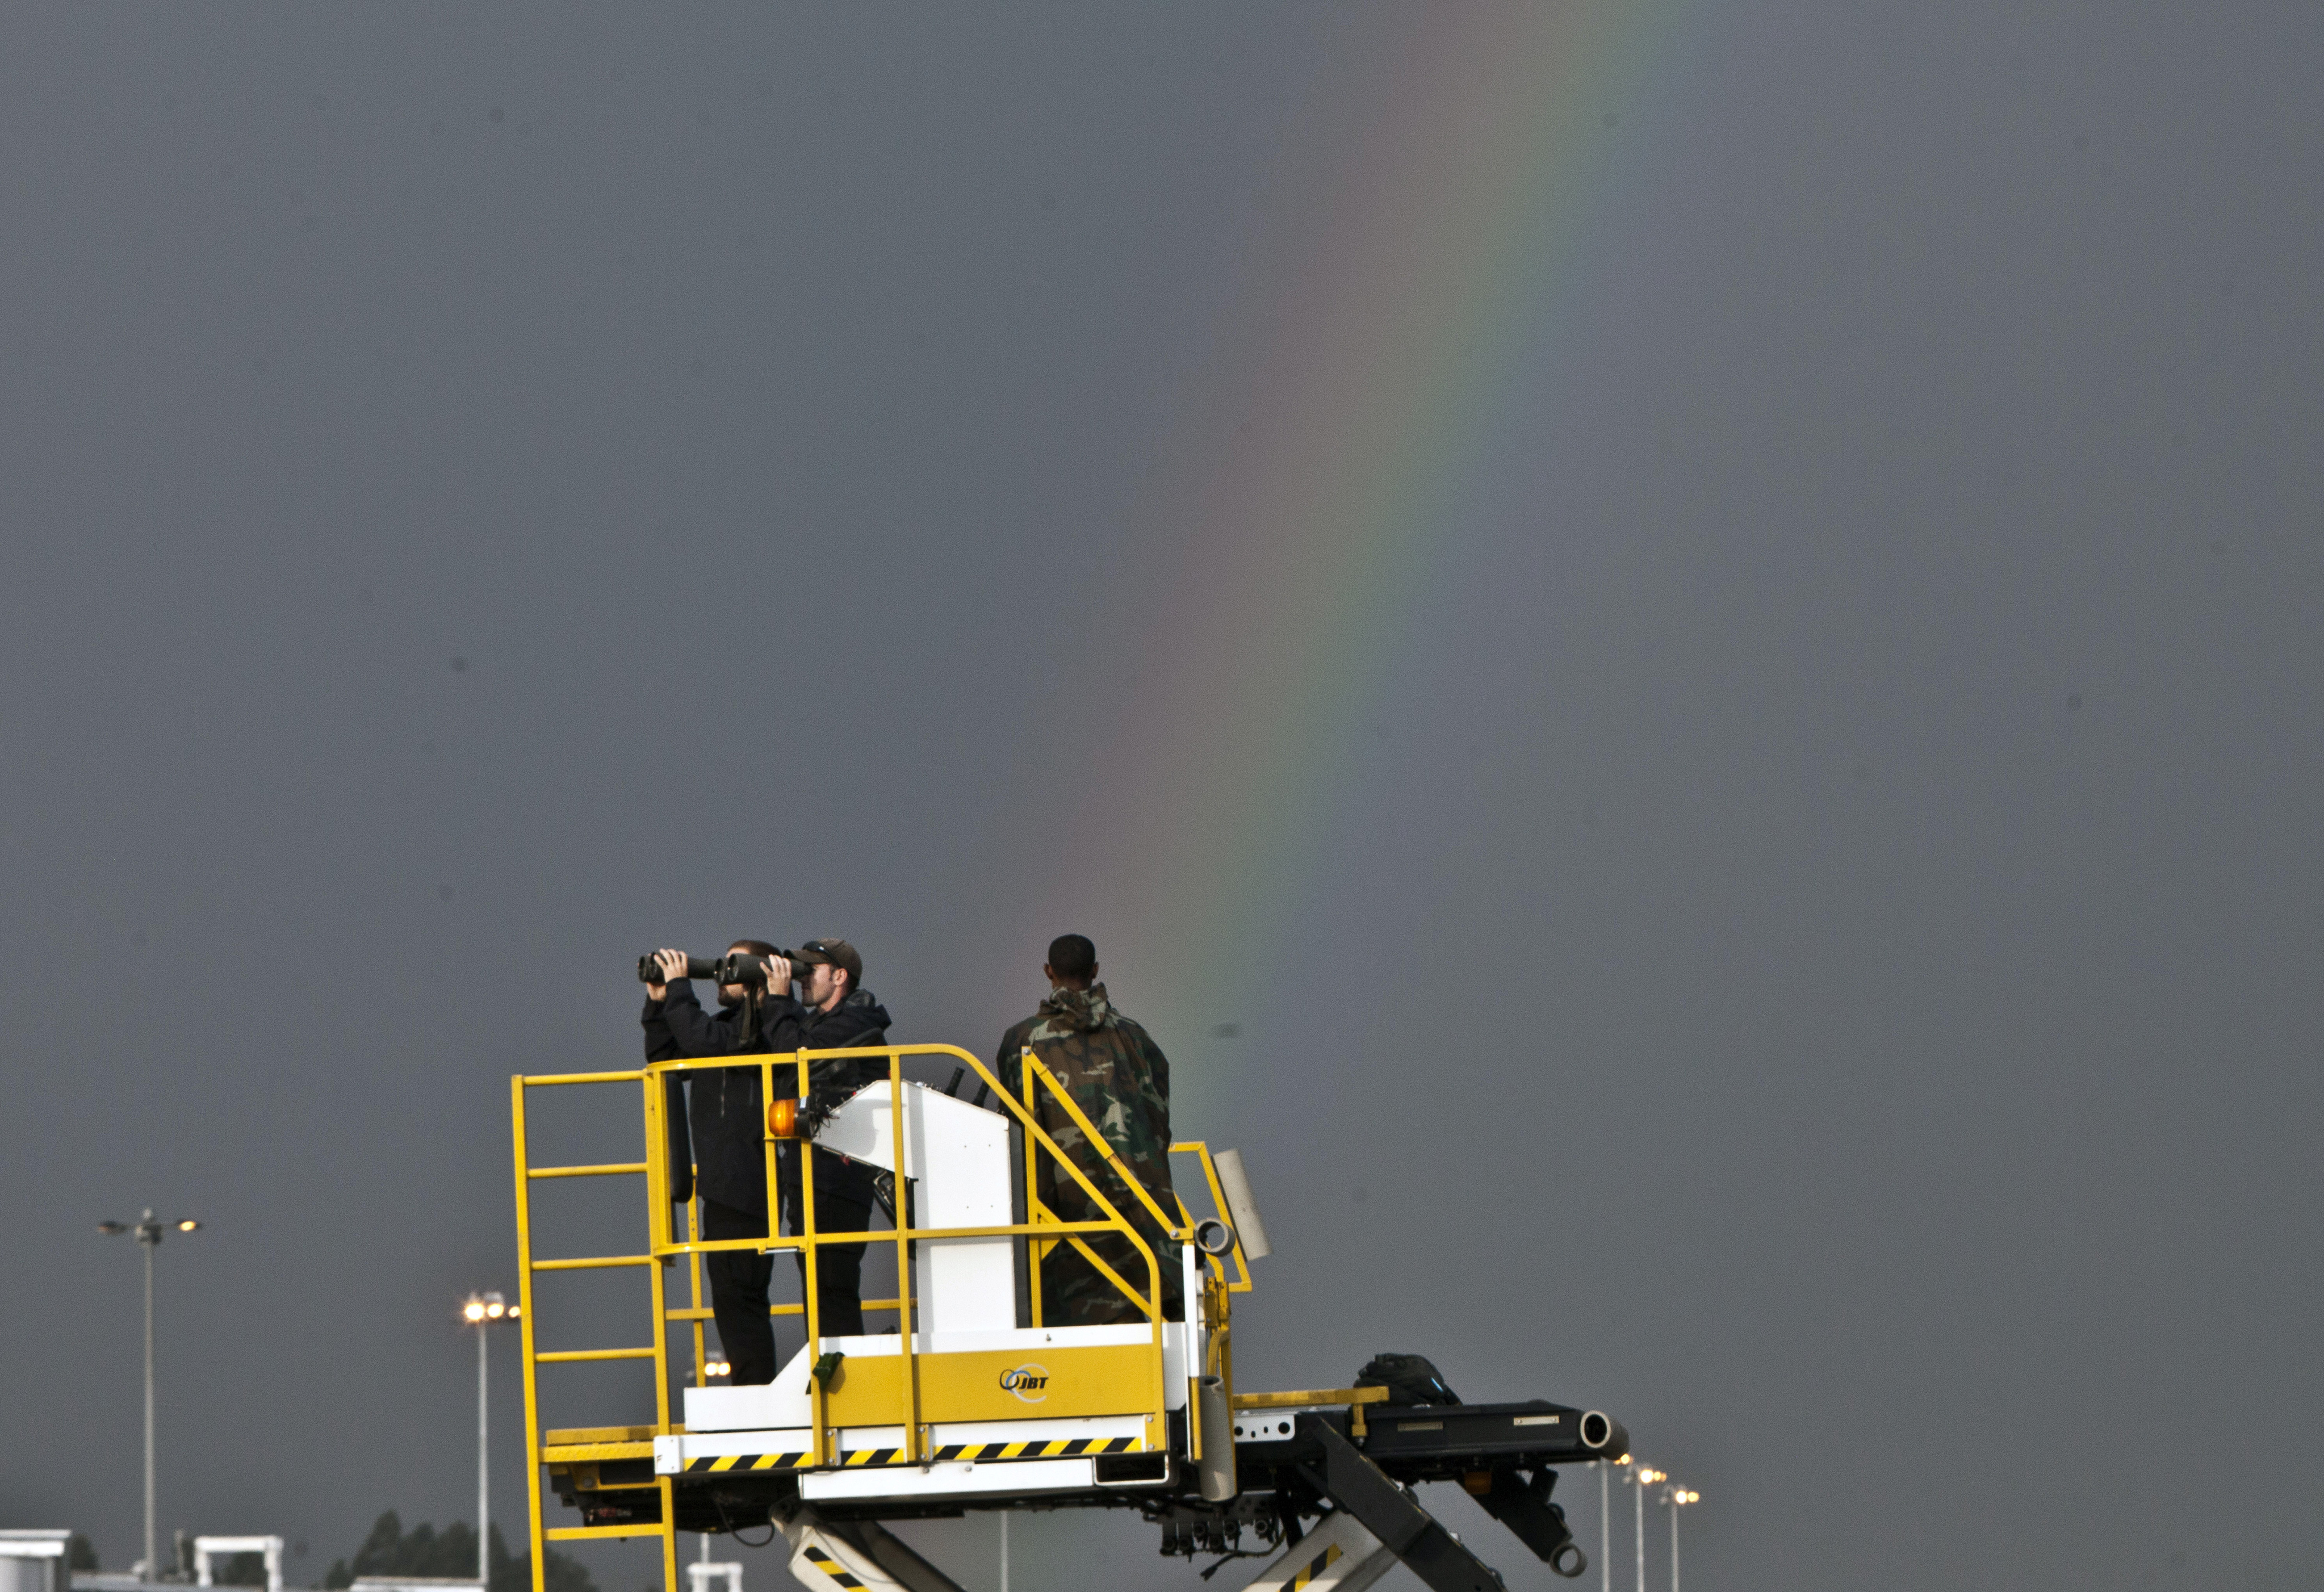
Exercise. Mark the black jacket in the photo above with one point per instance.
(661, 1047)
(858, 1020)
(729, 1136)
(726, 1112)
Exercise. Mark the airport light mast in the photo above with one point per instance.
(1675, 1498)
(148, 1233)
(1605, 1522)
(481, 1311)
(1646, 1478)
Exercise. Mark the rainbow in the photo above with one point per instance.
(1385, 347)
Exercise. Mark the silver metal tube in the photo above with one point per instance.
(1242, 1209)
(484, 1473)
(1215, 1472)
(1640, 1488)
(1673, 1509)
(1004, 1551)
(148, 1236)
(1605, 1529)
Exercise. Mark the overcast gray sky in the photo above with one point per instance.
(1789, 910)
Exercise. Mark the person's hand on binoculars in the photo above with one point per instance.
(672, 964)
(778, 975)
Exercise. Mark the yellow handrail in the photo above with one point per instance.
(1103, 1146)
(540, 1547)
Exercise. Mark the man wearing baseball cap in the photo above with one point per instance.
(831, 1012)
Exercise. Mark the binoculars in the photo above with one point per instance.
(736, 967)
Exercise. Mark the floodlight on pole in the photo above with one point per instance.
(1606, 1526)
(1647, 1477)
(148, 1233)
(482, 1312)
(1676, 1498)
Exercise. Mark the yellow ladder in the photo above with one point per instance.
(603, 1443)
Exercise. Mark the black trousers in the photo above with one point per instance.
(739, 1279)
(840, 1207)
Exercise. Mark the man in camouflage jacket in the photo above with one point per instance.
(1120, 1079)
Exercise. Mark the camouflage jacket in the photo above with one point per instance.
(1120, 1079)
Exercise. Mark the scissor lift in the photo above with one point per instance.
(970, 1401)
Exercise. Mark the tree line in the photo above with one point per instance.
(450, 1554)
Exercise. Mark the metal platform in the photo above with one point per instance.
(968, 1406)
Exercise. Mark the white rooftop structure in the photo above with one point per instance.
(33, 1560)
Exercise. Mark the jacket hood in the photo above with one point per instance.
(1075, 1011)
(864, 1006)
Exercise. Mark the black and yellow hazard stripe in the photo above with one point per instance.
(1061, 1448)
(790, 1461)
(830, 1566)
(1321, 1562)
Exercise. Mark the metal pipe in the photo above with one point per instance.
(1639, 1484)
(484, 1472)
(1215, 1426)
(1604, 1529)
(1242, 1209)
(1673, 1509)
(149, 1235)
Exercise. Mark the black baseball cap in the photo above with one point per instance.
(834, 954)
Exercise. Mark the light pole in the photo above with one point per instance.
(481, 1311)
(1645, 1478)
(1605, 1522)
(149, 1233)
(1676, 1498)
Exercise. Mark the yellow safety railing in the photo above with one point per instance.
(1044, 1231)
(534, 1356)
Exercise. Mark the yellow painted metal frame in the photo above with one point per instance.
(1354, 1398)
(910, 1386)
(534, 1358)
(1038, 1078)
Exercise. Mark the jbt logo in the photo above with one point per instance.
(1030, 1383)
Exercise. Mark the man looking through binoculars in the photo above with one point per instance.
(727, 1115)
